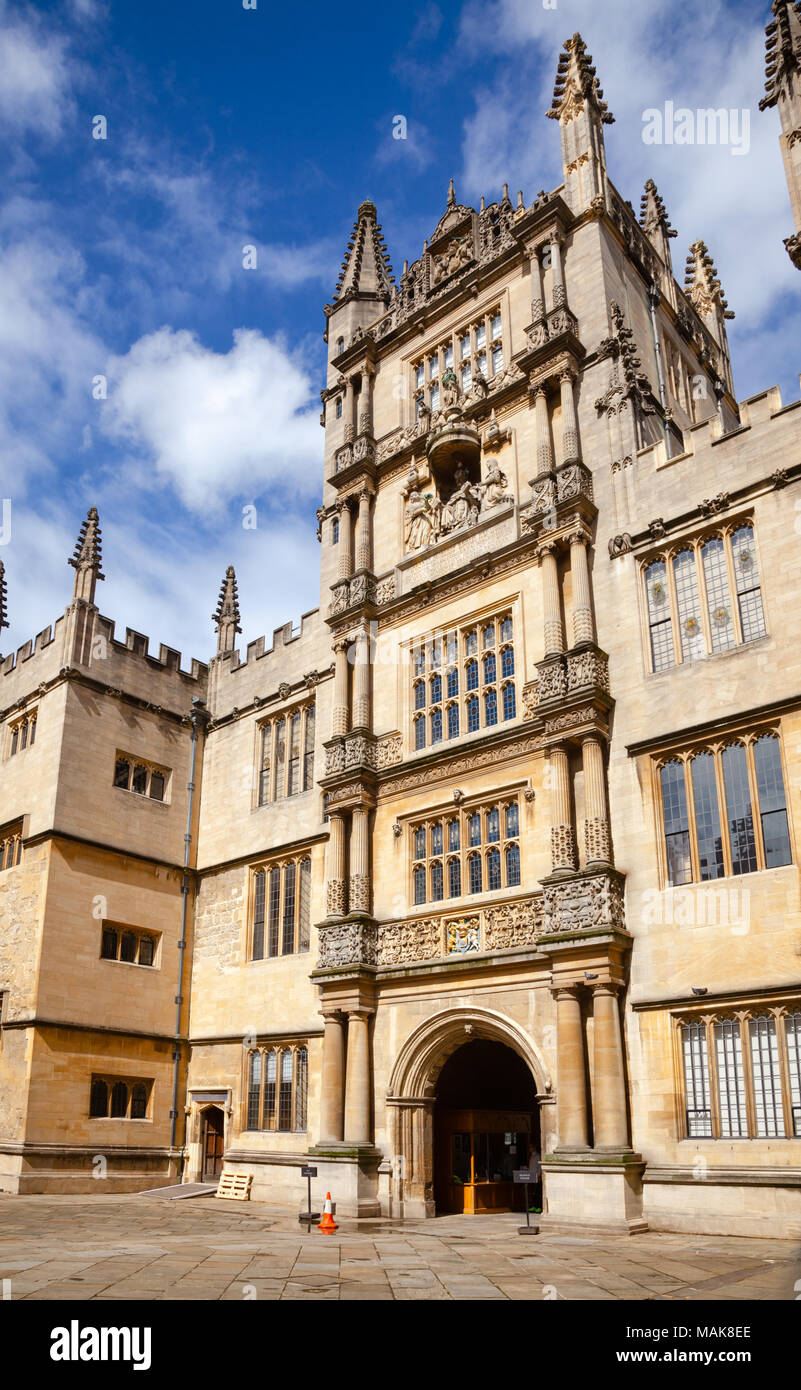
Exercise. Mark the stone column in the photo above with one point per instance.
(551, 599)
(359, 896)
(335, 866)
(583, 627)
(570, 439)
(357, 1079)
(366, 403)
(597, 843)
(348, 409)
(610, 1125)
(537, 292)
(543, 426)
(361, 682)
(345, 541)
(364, 534)
(571, 1078)
(332, 1080)
(341, 711)
(563, 843)
(559, 296)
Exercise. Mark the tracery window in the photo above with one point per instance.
(139, 776)
(277, 1087)
(724, 809)
(286, 755)
(22, 733)
(477, 349)
(703, 596)
(464, 682)
(10, 845)
(281, 922)
(119, 1098)
(741, 1073)
(467, 851)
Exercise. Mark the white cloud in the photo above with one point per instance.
(34, 77)
(216, 425)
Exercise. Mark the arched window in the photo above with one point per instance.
(338, 408)
(420, 842)
(122, 773)
(139, 1101)
(98, 1100)
(435, 690)
(285, 1092)
(488, 636)
(507, 628)
(258, 914)
(139, 782)
(308, 749)
(512, 820)
(280, 759)
(716, 581)
(270, 1072)
(489, 668)
(23, 735)
(273, 910)
(254, 1090)
(288, 935)
(128, 946)
(156, 786)
(420, 732)
(15, 745)
(109, 943)
(454, 878)
(688, 605)
(746, 575)
(305, 905)
(491, 707)
(493, 870)
(738, 805)
(453, 721)
(474, 873)
(293, 762)
(301, 1087)
(508, 662)
(472, 714)
(659, 620)
(436, 838)
(772, 801)
(474, 828)
(436, 881)
(436, 726)
(340, 345)
(470, 643)
(677, 825)
(419, 884)
(119, 1100)
(420, 695)
(471, 674)
(512, 866)
(493, 825)
(146, 950)
(335, 531)
(454, 837)
(705, 796)
(453, 683)
(509, 702)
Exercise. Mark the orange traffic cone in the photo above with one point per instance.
(328, 1224)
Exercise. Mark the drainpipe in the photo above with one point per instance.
(198, 719)
(653, 303)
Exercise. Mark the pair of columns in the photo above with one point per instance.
(583, 625)
(558, 293)
(610, 1121)
(357, 408)
(364, 536)
(345, 1097)
(348, 894)
(343, 719)
(570, 438)
(597, 839)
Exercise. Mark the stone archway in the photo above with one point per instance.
(412, 1092)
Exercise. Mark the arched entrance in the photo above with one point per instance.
(416, 1107)
(486, 1125)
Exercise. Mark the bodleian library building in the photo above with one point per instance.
(492, 861)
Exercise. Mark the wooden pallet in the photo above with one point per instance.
(235, 1186)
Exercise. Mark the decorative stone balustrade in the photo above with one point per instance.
(500, 927)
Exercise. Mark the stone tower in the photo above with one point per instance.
(783, 89)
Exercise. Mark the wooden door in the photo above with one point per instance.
(212, 1144)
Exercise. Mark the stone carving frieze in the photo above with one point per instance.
(588, 667)
(389, 750)
(498, 927)
(453, 767)
(346, 944)
(586, 902)
(513, 924)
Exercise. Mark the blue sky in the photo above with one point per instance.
(230, 127)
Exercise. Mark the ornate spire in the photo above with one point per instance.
(3, 597)
(783, 89)
(656, 223)
(227, 614)
(576, 81)
(366, 269)
(782, 51)
(702, 285)
(87, 558)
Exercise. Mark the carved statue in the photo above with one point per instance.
(450, 388)
(421, 520)
(463, 505)
(495, 487)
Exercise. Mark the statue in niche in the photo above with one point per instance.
(495, 487)
(463, 505)
(455, 255)
(450, 389)
(423, 420)
(421, 519)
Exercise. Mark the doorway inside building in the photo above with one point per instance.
(212, 1144)
(486, 1125)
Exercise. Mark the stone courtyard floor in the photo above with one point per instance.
(135, 1247)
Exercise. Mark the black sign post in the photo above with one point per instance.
(525, 1176)
(308, 1172)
